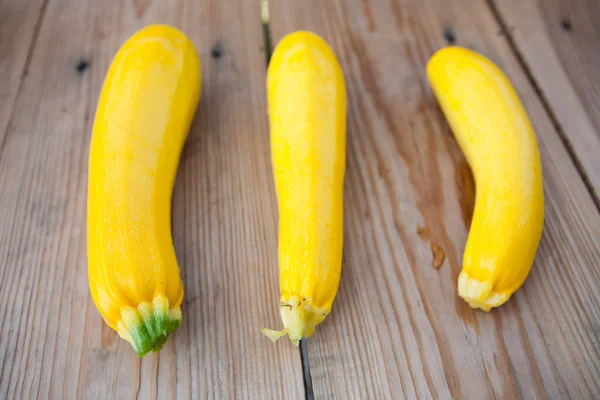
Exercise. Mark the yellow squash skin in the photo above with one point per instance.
(496, 136)
(146, 106)
(307, 110)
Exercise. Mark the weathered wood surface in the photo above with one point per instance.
(19, 23)
(53, 341)
(398, 328)
(558, 41)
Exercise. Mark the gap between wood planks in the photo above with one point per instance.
(306, 375)
(545, 104)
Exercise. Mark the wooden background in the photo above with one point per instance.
(398, 329)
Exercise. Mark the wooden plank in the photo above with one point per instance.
(559, 41)
(19, 21)
(54, 341)
(398, 328)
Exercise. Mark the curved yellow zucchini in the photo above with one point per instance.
(307, 110)
(144, 113)
(496, 136)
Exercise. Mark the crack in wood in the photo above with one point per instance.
(307, 377)
(265, 19)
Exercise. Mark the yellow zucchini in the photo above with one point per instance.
(307, 110)
(496, 136)
(146, 106)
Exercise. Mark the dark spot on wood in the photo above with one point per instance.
(449, 35)
(217, 51)
(438, 255)
(82, 66)
(505, 31)
(423, 232)
(565, 24)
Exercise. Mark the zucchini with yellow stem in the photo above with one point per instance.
(497, 138)
(307, 110)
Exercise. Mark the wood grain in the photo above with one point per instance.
(54, 343)
(559, 42)
(19, 24)
(398, 328)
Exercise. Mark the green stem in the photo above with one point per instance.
(148, 326)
